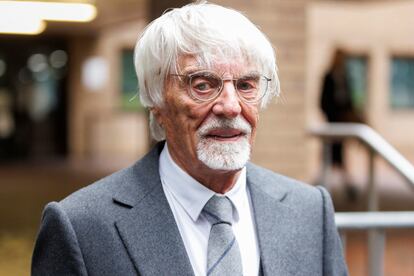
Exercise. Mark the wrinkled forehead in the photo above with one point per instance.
(218, 64)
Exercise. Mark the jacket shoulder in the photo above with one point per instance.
(272, 182)
(98, 191)
(292, 192)
(125, 187)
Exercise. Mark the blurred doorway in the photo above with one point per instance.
(33, 117)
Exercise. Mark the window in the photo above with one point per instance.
(356, 69)
(402, 83)
(129, 83)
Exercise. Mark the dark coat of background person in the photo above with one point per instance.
(336, 101)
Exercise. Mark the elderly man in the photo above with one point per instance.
(194, 205)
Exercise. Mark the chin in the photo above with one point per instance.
(227, 156)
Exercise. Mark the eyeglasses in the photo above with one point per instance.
(205, 86)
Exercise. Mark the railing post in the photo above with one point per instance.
(372, 191)
(343, 240)
(326, 163)
(376, 238)
(376, 243)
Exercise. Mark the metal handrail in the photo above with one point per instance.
(374, 220)
(366, 135)
(375, 223)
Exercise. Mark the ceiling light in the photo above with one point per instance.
(28, 17)
(10, 24)
(53, 11)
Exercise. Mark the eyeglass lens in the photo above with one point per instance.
(207, 85)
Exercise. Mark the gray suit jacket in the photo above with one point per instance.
(123, 225)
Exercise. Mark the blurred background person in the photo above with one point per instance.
(336, 104)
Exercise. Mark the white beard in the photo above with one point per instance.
(219, 155)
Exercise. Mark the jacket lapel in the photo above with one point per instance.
(148, 229)
(273, 224)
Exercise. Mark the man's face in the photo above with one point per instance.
(214, 135)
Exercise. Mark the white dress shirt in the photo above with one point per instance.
(187, 198)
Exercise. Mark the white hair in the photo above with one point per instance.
(208, 32)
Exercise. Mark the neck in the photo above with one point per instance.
(218, 181)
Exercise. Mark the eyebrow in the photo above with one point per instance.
(200, 70)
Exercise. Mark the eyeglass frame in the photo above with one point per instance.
(221, 87)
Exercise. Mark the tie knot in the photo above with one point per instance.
(219, 209)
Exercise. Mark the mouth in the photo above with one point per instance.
(225, 135)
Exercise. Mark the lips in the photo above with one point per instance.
(227, 134)
(219, 129)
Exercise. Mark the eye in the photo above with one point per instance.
(201, 85)
(248, 84)
(244, 86)
(204, 83)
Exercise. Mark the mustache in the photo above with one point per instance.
(214, 122)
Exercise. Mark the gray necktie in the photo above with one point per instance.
(223, 254)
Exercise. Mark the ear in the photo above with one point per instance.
(156, 112)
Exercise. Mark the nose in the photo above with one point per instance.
(228, 103)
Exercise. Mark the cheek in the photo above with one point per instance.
(185, 115)
(251, 114)
(192, 113)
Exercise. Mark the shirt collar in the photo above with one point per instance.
(190, 193)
